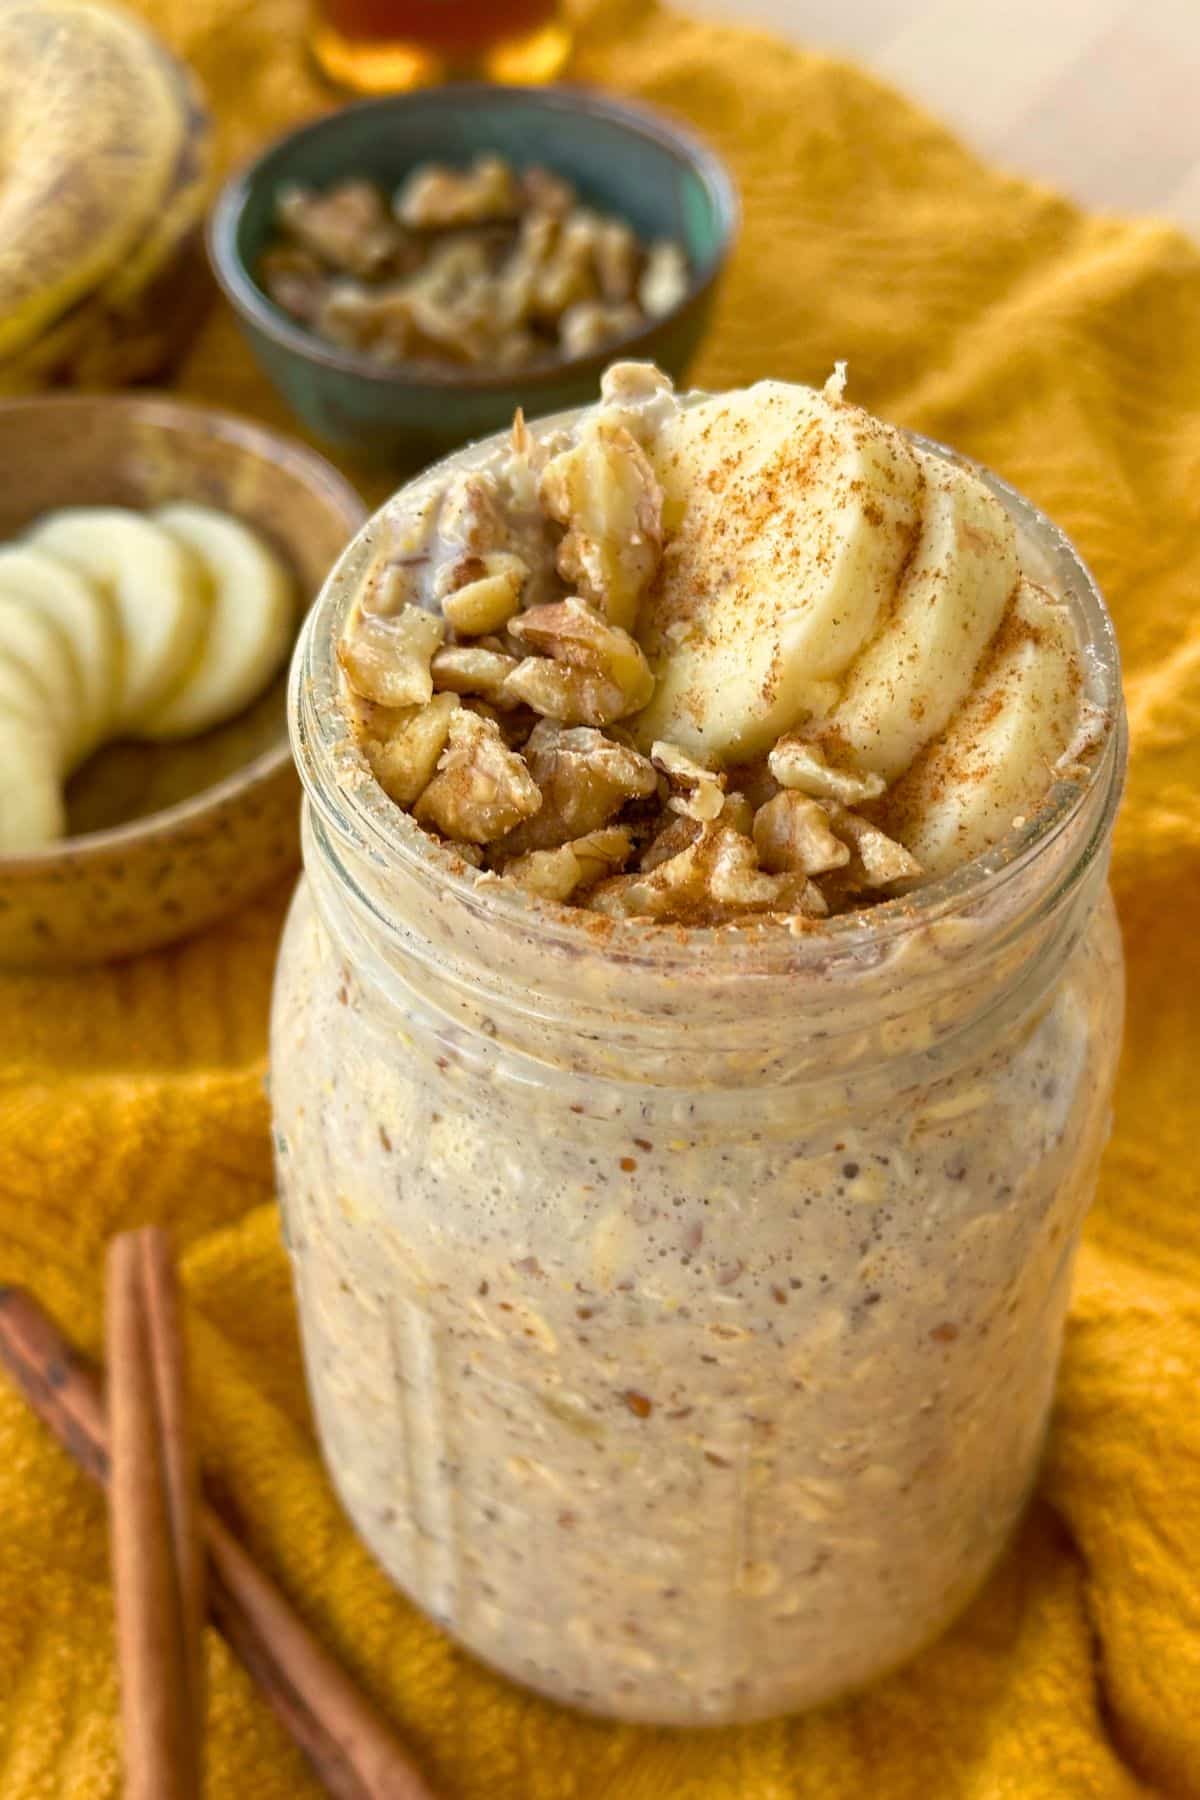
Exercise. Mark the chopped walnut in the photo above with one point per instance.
(546, 192)
(386, 659)
(616, 255)
(704, 798)
(567, 273)
(716, 878)
(489, 597)
(481, 788)
(791, 832)
(738, 814)
(347, 225)
(573, 696)
(296, 280)
(875, 860)
(674, 837)
(561, 873)
(585, 779)
(664, 281)
(797, 764)
(468, 669)
(434, 197)
(379, 320)
(463, 267)
(590, 324)
(604, 491)
(571, 632)
(403, 746)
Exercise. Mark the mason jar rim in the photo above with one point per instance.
(339, 784)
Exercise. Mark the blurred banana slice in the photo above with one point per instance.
(790, 516)
(41, 651)
(159, 589)
(31, 804)
(249, 627)
(85, 616)
(995, 761)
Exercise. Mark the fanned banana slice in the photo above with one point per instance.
(789, 518)
(159, 590)
(995, 760)
(31, 804)
(249, 629)
(40, 651)
(905, 685)
(84, 614)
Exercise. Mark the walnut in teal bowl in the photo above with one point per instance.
(623, 159)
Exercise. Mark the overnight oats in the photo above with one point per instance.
(694, 1036)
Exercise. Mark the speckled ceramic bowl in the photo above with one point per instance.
(164, 838)
(624, 159)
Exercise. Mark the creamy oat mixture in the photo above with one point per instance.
(681, 1307)
(759, 655)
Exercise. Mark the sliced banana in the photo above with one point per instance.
(40, 649)
(159, 590)
(905, 685)
(85, 615)
(31, 804)
(249, 629)
(995, 761)
(789, 519)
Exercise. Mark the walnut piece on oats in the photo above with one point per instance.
(585, 779)
(875, 860)
(605, 493)
(712, 880)
(572, 632)
(703, 798)
(481, 788)
(489, 595)
(387, 658)
(468, 669)
(561, 873)
(792, 834)
(434, 196)
(403, 746)
(573, 696)
(796, 763)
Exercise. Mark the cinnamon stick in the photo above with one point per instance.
(349, 1747)
(161, 1736)
(164, 1329)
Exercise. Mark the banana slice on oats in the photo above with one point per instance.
(31, 804)
(85, 616)
(37, 649)
(250, 625)
(158, 588)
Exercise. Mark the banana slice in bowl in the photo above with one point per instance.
(158, 588)
(39, 648)
(31, 802)
(85, 616)
(250, 624)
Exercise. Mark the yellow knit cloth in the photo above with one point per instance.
(1065, 352)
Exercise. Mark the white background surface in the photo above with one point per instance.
(1101, 98)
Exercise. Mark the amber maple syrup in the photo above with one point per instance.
(382, 46)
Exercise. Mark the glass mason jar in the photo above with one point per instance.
(681, 1309)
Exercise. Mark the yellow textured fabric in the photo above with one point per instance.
(1065, 352)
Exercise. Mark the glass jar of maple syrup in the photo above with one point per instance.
(384, 46)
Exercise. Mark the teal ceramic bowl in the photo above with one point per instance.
(622, 158)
